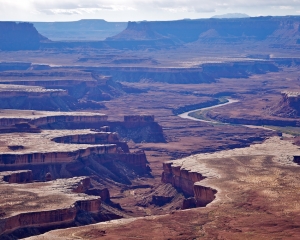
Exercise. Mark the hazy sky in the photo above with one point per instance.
(137, 10)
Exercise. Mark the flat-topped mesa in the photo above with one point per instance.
(44, 210)
(66, 156)
(57, 83)
(137, 128)
(41, 118)
(23, 176)
(8, 91)
(19, 36)
(188, 182)
(95, 138)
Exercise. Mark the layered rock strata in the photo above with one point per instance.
(24, 176)
(47, 204)
(19, 36)
(64, 153)
(40, 118)
(289, 105)
(188, 182)
(137, 128)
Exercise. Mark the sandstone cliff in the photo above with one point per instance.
(189, 183)
(19, 36)
(54, 206)
(289, 106)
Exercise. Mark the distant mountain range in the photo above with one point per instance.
(232, 15)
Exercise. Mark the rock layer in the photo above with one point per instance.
(19, 36)
(188, 182)
(61, 207)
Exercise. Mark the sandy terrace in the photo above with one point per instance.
(31, 114)
(28, 89)
(42, 196)
(42, 142)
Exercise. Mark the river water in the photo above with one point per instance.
(229, 101)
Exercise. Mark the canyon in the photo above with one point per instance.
(92, 145)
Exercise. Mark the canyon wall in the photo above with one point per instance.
(93, 138)
(38, 219)
(289, 106)
(41, 121)
(19, 36)
(54, 157)
(188, 182)
(203, 73)
(17, 176)
(52, 218)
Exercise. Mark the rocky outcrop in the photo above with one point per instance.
(50, 218)
(94, 138)
(19, 36)
(92, 206)
(42, 99)
(289, 106)
(138, 129)
(103, 193)
(297, 159)
(54, 157)
(181, 178)
(59, 212)
(188, 182)
(24, 176)
(136, 159)
(203, 195)
(55, 117)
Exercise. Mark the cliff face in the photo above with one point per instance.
(188, 183)
(19, 36)
(289, 106)
(169, 75)
(17, 176)
(54, 157)
(229, 30)
(60, 210)
(205, 73)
